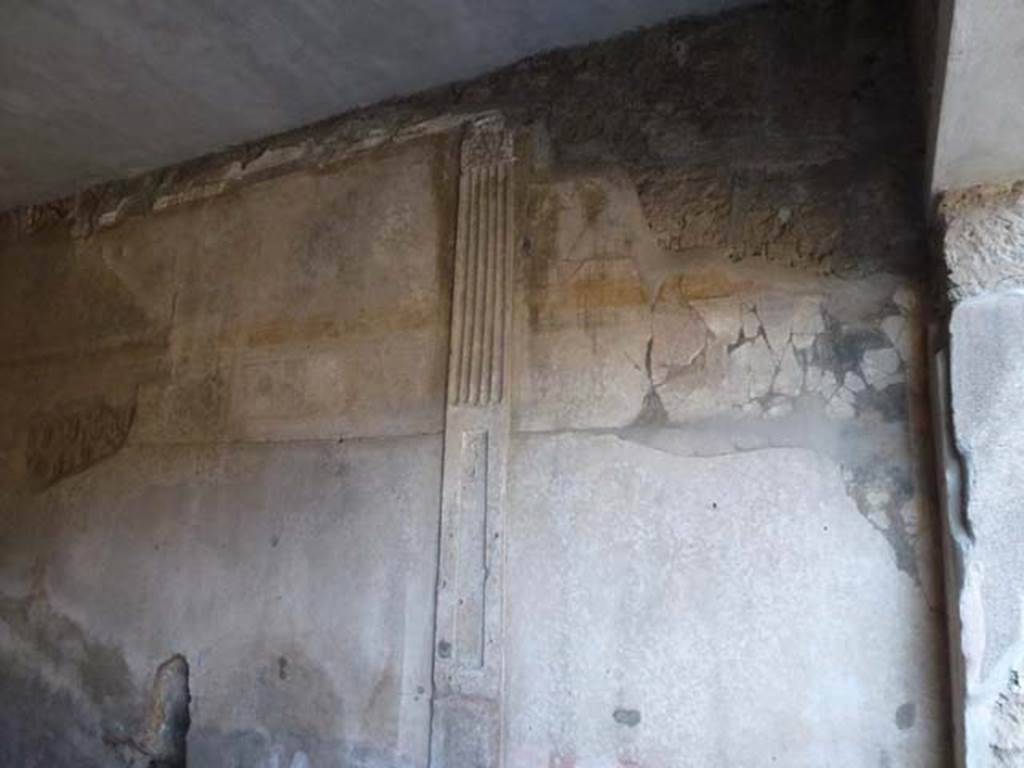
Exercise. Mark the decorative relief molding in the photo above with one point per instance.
(472, 572)
(488, 143)
(484, 243)
(323, 145)
(468, 652)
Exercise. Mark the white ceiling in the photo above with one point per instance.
(103, 89)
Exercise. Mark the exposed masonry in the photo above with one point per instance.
(690, 96)
(983, 239)
(164, 743)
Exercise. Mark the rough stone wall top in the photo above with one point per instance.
(983, 239)
(809, 98)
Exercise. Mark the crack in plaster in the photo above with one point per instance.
(880, 491)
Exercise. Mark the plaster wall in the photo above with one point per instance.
(982, 234)
(231, 453)
(223, 410)
(985, 385)
(978, 109)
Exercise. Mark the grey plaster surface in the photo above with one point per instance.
(979, 111)
(987, 384)
(297, 579)
(708, 654)
(95, 91)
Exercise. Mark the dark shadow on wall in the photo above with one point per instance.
(64, 694)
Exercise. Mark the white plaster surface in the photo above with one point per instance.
(297, 579)
(740, 604)
(987, 384)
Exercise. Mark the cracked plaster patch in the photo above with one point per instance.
(757, 355)
(738, 351)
